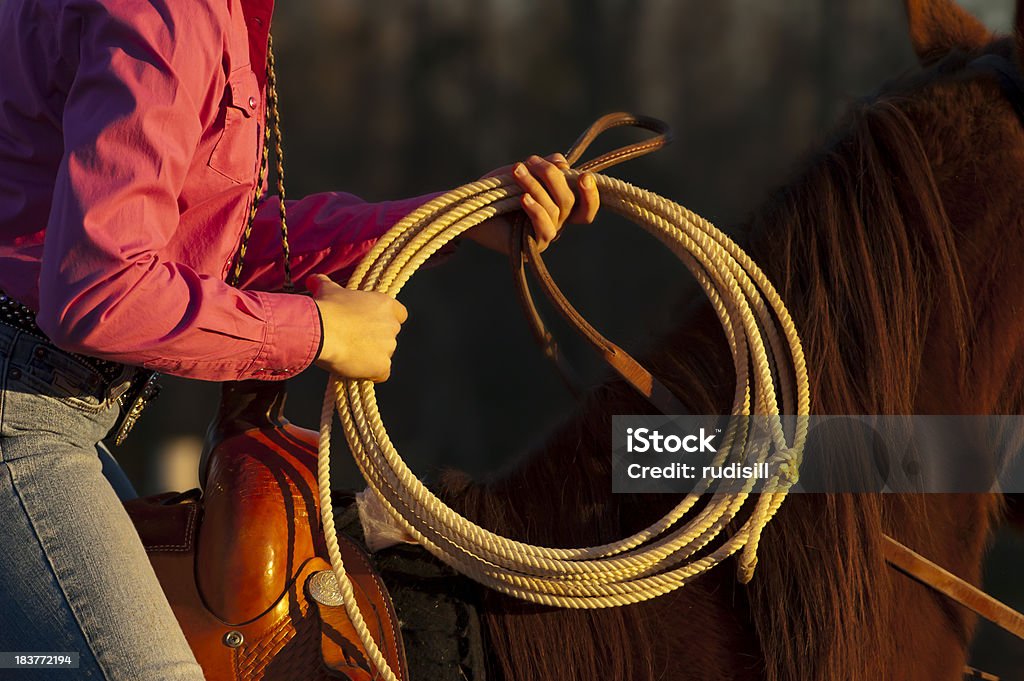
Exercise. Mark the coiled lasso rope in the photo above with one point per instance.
(657, 560)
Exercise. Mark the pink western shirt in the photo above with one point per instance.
(130, 136)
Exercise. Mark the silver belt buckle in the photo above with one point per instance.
(135, 399)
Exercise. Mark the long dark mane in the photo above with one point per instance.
(869, 258)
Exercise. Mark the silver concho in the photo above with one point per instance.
(323, 587)
(233, 639)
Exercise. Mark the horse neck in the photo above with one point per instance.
(905, 292)
(982, 199)
(976, 147)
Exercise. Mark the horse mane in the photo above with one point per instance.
(862, 250)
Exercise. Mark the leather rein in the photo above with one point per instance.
(524, 254)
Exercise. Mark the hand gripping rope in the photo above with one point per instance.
(661, 558)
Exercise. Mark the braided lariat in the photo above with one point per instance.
(271, 132)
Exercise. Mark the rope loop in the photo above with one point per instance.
(771, 379)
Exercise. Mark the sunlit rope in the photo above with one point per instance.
(766, 351)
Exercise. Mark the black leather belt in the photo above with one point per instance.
(132, 388)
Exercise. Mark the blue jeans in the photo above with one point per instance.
(74, 576)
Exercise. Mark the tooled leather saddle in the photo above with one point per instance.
(243, 561)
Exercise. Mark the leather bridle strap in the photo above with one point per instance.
(524, 252)
(946, 583)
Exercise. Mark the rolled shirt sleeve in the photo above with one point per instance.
(131, 126)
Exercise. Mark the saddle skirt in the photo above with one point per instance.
(244, 563)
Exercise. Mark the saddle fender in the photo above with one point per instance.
(236, 558)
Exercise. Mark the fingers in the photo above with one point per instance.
(590, 200)
(382, 371)
(559, 160)
(388, 347)
(557, 188)
(315, 283)
(547, 199)
(527, 178)
(544, 230)
(379, 370)
(382, 375)
(401, 312)
(545, 187)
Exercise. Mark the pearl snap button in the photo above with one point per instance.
(252, 102)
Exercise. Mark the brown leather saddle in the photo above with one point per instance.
(244, 564)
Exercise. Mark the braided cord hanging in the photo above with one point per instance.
(271, 136)
(765, 348)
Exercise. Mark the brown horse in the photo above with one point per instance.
(899, 249)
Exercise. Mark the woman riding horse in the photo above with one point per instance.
(130, 170)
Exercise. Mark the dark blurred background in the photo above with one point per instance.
(395, 98)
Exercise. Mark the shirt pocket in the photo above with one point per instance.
(237, 149)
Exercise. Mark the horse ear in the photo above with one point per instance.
(938, 26)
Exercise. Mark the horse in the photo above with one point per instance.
(899, 249)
